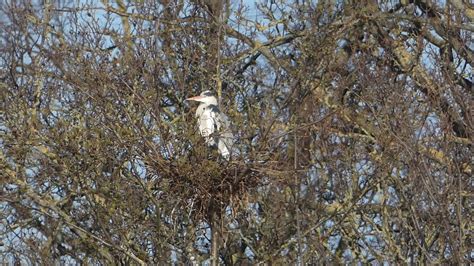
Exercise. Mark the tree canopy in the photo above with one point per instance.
(353, 125)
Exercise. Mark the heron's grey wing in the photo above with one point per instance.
(225, 142)
(221, 120)
(225, 137)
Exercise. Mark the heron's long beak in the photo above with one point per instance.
(195, 98)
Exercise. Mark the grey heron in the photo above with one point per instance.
(213, 125)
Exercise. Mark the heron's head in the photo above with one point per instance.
(205, 97)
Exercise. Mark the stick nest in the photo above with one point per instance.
(204, 182)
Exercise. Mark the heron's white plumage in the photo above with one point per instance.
(207, 124)
(213, 125)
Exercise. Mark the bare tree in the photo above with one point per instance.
(353, 125)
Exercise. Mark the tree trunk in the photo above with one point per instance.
(214, 239)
